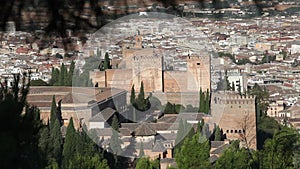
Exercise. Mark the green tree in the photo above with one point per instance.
(143, 163)
(234, 157)
(45, 144)
(61, 78)
(54, 76)
(278, 152)
(88, 162)
(202, 101)
(115, 123)
(132, 96)
(169, 109)
(69, 148)
(19, 133)
(53, 112)
(56, 141)
(193, 154)
(70, 74)
(207, 101)
(218, 134)
(106, 64)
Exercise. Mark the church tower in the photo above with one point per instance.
(138, 40)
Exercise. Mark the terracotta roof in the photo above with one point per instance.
(42, 95)
(144, 130)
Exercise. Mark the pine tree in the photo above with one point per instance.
(69, 149)
(53, 112)
(143, 163)
(193, 154)
(56, 141)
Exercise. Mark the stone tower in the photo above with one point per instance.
(198, 68)
(236, 116)
(138, 40)
(147, 69)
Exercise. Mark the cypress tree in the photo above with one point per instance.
(53, 113)
(61, 78)
(141, 95)
(207, 101)
(66, 77)
(70, 74)
(56, 77)
(69, 149)
(115, 123)
(106, 64)
(132, 95)
(45, 144)
(56, 141)
(218, 135)
(141, 102)
(200, 99)
(202, 102)
(58, 113)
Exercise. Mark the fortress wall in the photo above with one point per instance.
(175, 81)
(98, 77)
(236, 115)
(119, 78)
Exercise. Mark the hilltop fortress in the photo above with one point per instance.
(147, 65)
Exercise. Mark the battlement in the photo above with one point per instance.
(228, 97)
